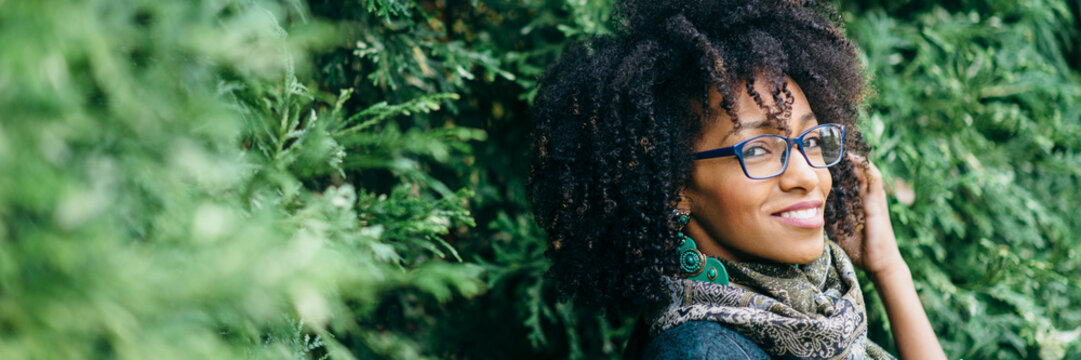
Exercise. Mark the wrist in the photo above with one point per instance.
(897, 269)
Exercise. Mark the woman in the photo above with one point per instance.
(696, 165)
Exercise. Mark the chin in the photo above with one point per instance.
(807, 252)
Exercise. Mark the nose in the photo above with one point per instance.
(799, 174)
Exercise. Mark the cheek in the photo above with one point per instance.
(741, 204)
(732, 200)
(826, 181)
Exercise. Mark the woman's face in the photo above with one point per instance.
(732, 216)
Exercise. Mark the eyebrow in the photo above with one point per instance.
(758, 124)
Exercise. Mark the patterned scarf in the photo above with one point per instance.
(815, 311)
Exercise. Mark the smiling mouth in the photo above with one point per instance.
(809, 218)
(800, 214)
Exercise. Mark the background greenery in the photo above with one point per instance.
(291, 179)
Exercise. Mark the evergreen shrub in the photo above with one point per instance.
(344, 179)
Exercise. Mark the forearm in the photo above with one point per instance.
(911, 329)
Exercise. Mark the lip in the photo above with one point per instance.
(816, 221)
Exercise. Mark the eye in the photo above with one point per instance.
(810, 142)
(755, 151)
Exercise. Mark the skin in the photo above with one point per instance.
(734, 217)
(877, 254)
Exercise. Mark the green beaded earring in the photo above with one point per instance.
(695, 264)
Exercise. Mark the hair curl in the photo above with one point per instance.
(614, 128)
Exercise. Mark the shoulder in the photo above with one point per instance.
(702, 340)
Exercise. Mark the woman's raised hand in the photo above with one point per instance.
(874, 249)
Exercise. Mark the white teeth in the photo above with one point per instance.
(800, 214)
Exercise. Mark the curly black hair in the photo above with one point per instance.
(615, 122)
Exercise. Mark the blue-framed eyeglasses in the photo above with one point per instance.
(766, 156)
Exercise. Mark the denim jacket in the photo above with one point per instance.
(702, 340)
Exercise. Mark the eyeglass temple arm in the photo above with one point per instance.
(708, 154)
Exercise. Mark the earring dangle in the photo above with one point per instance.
(694, 264)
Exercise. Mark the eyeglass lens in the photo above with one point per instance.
(764, 156)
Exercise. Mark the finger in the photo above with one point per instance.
(858, 168)
(874, 199)
(874, 176)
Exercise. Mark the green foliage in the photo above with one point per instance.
(174, 190)
(491, 53)
(974, 111)
(342, 179)
(977, 113)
